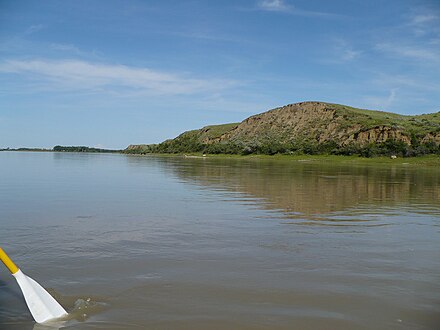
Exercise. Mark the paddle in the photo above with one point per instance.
(42, 305)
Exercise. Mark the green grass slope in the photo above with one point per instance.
(419, 125)
(190, 141)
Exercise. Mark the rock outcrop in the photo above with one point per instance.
(319, 122)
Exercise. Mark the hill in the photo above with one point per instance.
(312, 128)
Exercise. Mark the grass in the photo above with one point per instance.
(428, 160)
(215, 131)
(418, 124)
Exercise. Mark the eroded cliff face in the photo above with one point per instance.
(431, 138)
(376, 135)
(285, 122)
(314, 121)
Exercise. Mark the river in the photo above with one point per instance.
(145, 242)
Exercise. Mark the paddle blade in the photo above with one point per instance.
(42, 305)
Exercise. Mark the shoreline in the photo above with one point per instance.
(428, 160)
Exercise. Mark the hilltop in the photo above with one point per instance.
(312, 128)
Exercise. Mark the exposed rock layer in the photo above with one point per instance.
(319, 122)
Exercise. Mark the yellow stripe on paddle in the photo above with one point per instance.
(8, 262)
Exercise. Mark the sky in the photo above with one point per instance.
(112, 73)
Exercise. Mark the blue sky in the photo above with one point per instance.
(113, 73)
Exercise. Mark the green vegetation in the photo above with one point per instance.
(426, 161)
(191, 141)
(190, 144)
(25, 149)
(215, 131)
(417, 125)
(80, 149)
(64, 149)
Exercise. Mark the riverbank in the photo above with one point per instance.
(427, 160)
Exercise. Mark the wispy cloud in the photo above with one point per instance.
(275, 5)
(82, 75)
(413, 82)
(65, 47)
(403, 89)
(206, 35)
(382, 102)
(409, 51)
(340, 51)
(423, 22)
(34, 29)
(349, 54)
(423, 18)
(73, 51)
(284, 7)
(345, 51)
(391, 97)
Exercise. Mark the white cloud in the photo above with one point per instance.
(424, 23)
(382, 102)
(274, 5)
(34, 28)
(414, 82)
(82, 75)
(65, 47)
(284, 7)
(391, 97)
(349, 54)
(345, 51)
(340, 51)
(423, 18)
(409, 51)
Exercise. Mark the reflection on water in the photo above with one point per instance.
(311, 187)
(184, 243)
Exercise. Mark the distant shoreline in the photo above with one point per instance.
(65, 149)
(27, 149)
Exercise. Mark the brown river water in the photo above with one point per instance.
(129, 242)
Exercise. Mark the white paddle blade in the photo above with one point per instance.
(42, 305)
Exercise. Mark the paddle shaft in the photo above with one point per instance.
(8, 262)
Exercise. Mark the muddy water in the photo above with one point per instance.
(128, 242)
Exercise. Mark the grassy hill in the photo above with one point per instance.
(312, 128)
(190, 141)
